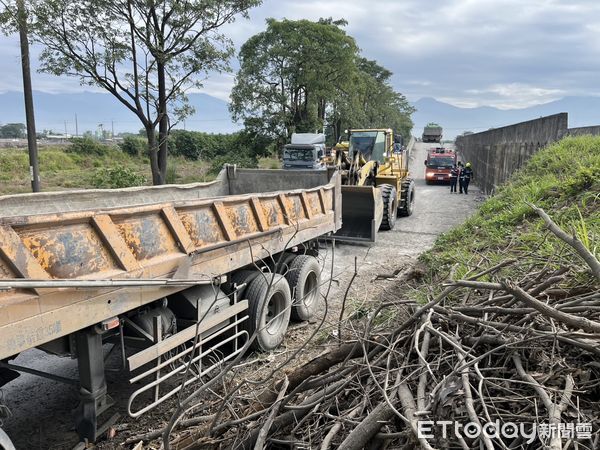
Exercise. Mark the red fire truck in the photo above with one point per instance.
(438, 165)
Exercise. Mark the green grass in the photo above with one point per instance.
(269, 163)
(563, 179)
(60, 169)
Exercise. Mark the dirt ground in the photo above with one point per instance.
(41, 409)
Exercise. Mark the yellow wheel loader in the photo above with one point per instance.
(376, 186)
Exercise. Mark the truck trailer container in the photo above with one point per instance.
(166, 274)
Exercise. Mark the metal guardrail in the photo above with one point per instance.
(189, 360)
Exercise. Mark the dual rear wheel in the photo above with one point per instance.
(274, 298)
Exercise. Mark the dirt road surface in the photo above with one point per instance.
(41, 409)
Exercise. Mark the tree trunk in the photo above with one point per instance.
(153, 152)
(163, 124)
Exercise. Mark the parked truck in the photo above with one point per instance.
(439, 164)
(170, 275)
(432, 133)
(306, 151)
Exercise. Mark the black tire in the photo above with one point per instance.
(390, 205)
(408, 198)
(242, 277)
(304, 278)
(268, 311)
(282, 262)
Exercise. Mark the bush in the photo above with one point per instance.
(87, 146)
(195, 145)
(117, 177)
(185, 143)
(134, 146)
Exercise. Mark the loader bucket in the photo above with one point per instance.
(362, 212)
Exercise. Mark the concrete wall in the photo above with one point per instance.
(496, 154)
(595, 131)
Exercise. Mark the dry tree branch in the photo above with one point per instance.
(264, 431)
(574, 321)
(573, 241)
(338, 425)
(554, 410)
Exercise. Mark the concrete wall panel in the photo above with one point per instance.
(496, 154)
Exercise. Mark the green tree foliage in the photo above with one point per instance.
(372, 103)
(290, 73)
(195, 145)
(87, 146)
(146, 53)
(299, 76)
(12, 131)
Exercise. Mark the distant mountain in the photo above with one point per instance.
(583, 111)
(91, 108)
(212, 114)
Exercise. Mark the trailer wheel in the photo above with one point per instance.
(408, 198)
(304, 278)
(390, 205)
(281, 262)
(243, 277)
(268, 310)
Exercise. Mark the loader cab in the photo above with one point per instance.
(374, 145)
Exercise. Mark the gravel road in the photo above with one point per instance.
(41, 409)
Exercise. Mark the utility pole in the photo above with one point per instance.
(112, 127)
(76, 127)
(34, 169)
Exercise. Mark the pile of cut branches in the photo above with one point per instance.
(486, 363)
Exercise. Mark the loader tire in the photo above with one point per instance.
(408, 198)
(390, 206)
(304, 278)
(268, 310)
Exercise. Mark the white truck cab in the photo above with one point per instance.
(306, 151)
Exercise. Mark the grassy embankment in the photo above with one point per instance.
(61, 169)
(564, 180)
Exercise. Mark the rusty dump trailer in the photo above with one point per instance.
(166, 274)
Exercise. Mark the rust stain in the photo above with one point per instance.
(296, 209)
(147, 236)
(69, 251)
(202, 227)
(241, 218)
(272, 212)
(313, 203)
(130, 236)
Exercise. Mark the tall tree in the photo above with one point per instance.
(290, 73)
(146, 53)
(299, 76)
(12, 131)
(372, 103)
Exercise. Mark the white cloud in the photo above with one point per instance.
(505, 53)
(217, 85)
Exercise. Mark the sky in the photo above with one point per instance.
(502, 53)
